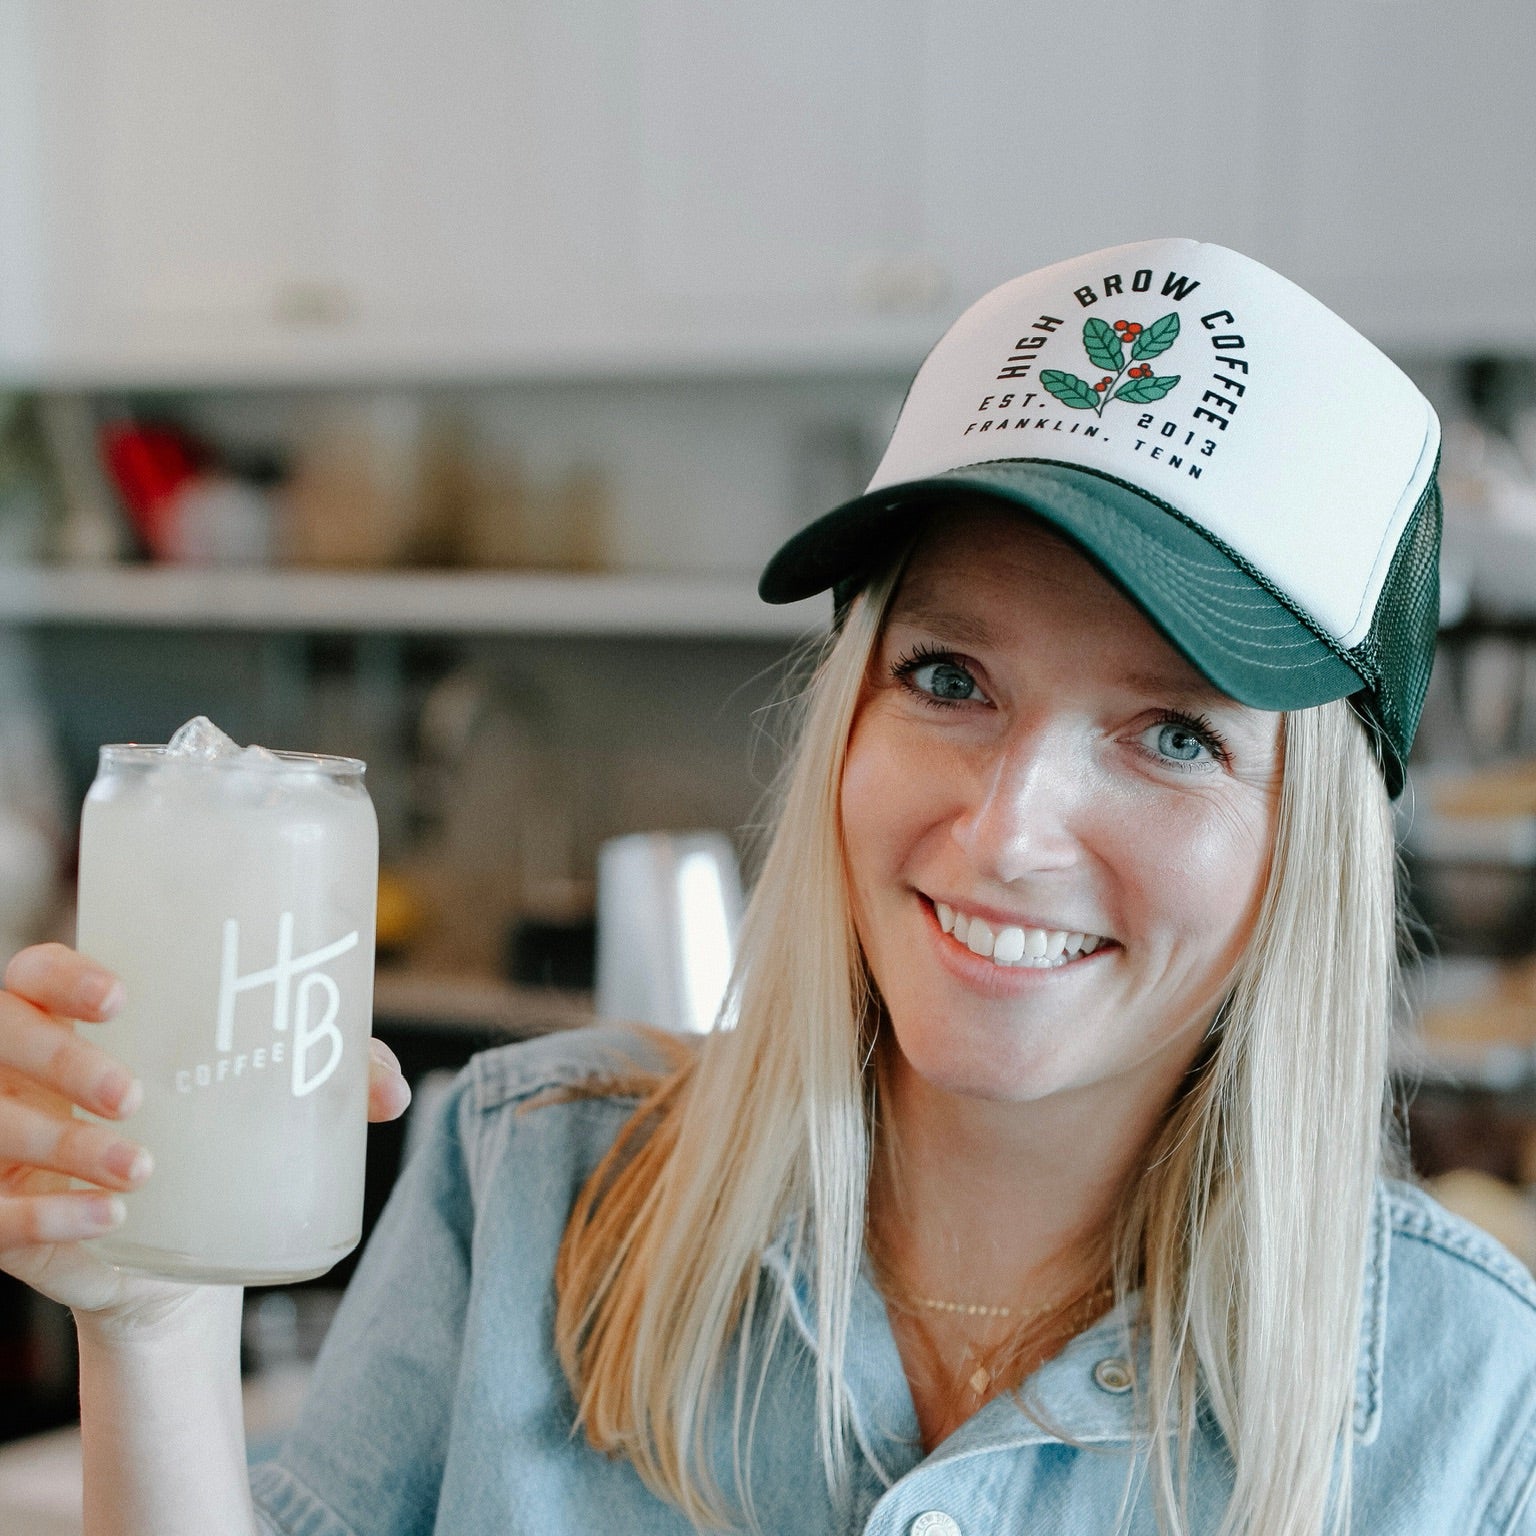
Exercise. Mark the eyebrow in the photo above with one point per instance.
(964, 627)
(1180, 686)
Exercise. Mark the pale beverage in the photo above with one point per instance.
(233, 891)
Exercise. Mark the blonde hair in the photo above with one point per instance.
(1247, 1229)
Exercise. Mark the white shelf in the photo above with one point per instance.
(457, 602)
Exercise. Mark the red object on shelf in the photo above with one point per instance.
(149, 465)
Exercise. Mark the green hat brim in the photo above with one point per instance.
(1216, 610)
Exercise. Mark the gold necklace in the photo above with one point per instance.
(976, 1309)
(983, 1376)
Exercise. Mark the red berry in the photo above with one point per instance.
(1119, 325)
(1099, 385)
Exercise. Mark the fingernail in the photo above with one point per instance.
(130, 1162)
(384, 1053)
(120, 1092)
(104, 993)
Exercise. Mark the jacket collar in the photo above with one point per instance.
(1067, 1387)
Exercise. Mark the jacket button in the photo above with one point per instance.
(1113, 1375)
(934, 1522)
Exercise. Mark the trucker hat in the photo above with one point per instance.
(1254, 473)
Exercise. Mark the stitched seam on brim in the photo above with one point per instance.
(1246, 567)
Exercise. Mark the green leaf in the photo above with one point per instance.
(1140, 391)
(1157, 337)
(1102, 345)
(1069, 389)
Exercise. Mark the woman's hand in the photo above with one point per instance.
(46, 1068)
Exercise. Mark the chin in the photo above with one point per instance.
(1013, 1075)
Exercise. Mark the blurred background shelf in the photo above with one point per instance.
(464, 602)
(454, 1001)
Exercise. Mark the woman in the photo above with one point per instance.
(1048, 1179)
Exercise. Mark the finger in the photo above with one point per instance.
(63, 981)
(31, 1140)
(389, 1094)
(54, 1055)
(387, 1101)
(57, 1219)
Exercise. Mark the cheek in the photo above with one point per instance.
(891, 802)
(867, 801)
(1204, 867)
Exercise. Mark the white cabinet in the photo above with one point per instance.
(481, 174)
(179, 200)
(1381, 153)
(775, 190)
(214, 191)
(209, 191)
(1408, 167)
(324, 188)
(1056, 129)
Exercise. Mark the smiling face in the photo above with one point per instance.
(1033, 767)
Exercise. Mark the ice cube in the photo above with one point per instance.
(259, 757)
(200, 740)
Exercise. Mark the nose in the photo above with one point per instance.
(1021, 807)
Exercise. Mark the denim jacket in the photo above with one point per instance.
(438, 1404)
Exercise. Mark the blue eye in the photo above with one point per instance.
(1185, 742)
(1178, 741)
(946, 680)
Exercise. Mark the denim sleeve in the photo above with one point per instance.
(367, 1452)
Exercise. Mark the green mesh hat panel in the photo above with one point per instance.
(1398, 652)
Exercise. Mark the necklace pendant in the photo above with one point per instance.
(981, 1380)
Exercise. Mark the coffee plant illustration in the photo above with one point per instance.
(1105, 345)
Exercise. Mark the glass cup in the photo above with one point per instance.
(235, 894)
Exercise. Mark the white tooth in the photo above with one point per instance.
(978, 938)
(1090, 943)
(1074, 943)
(1056, 941)
(946, 916)
(1008, 947)
(962, 926)
(1034, 943)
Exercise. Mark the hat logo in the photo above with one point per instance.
(1105, 346)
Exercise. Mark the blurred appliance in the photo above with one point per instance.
(668, 913)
